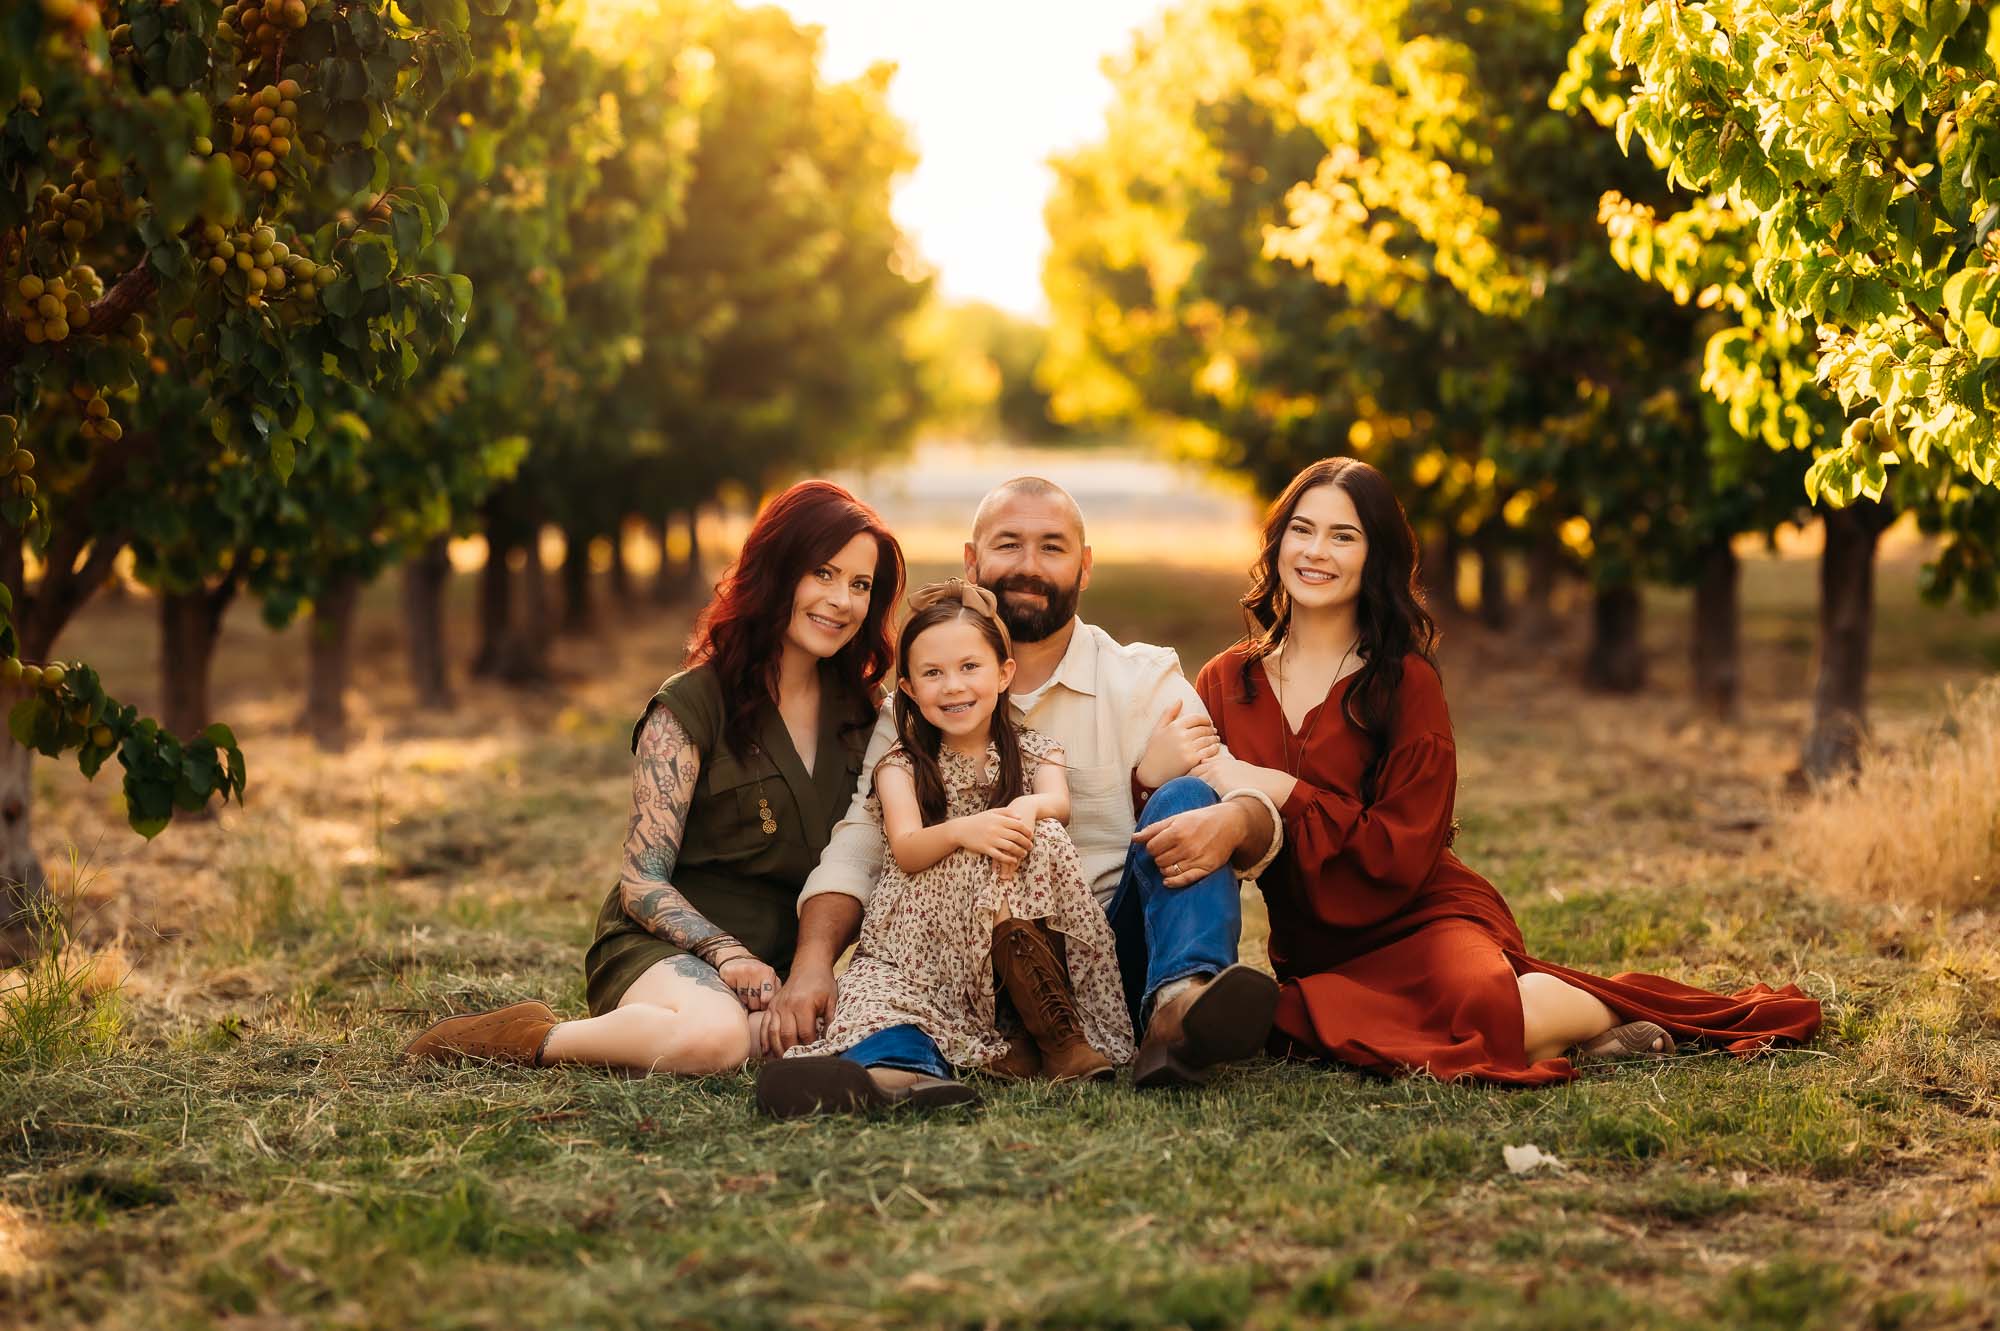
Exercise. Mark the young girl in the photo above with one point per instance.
(1393, 956)
(981, 876)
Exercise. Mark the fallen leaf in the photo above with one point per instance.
(1527, 1159)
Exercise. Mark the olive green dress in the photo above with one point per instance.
(755, 829)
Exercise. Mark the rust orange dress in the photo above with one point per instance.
(1392, 955)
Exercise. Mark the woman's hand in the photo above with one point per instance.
(754, 983)
(1177, 745)
(1001, 835)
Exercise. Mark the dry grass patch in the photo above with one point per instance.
(1920, 824)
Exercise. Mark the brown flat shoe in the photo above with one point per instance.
(516, 1033)
(830, 1084)
(1634, 1039)
(1227, 1019)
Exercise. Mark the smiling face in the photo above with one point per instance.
(1027, 549)
(1323, 550)
(830, 601)
(953, 675)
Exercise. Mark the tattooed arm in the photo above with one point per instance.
(664, 771)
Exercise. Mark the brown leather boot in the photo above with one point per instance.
(512, 1034)
(1038, 982)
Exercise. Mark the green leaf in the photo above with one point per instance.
(283, 456)
(373, 261)
(460, 305)
(219, 735)
(342, 299)
(21, 721)
(1956, 292)
(347, 121)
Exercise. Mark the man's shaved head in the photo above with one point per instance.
(1027, 549)
(1030, 488)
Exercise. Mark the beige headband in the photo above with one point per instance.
(969, 594)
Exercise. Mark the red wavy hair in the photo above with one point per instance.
(742, 630)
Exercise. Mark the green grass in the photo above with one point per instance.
(242, 1144)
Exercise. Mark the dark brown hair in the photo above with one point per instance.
(1390, 613)
(742, 630)
(921, 739)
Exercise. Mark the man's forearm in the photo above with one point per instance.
(1257, 834)
(827, 924)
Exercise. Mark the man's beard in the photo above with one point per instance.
(1026, 623)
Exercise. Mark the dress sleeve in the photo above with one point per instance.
(1360, 864)
(1208, 686)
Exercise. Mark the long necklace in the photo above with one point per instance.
(1294, 762)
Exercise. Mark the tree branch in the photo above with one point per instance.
(125, 298)
(64, 587)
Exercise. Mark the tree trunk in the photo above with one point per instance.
(21, 878)
(579, 613)
(1437, 571)
(666, 578)
(621, 568)
(424, 581)
(496, 597)
(1846, 628)
(1538, 604)
(1493, 578)
(77, 565)
(1718, 645)
(190, 622)
(1617, 659)
(694, 580)
(329, 644)
(524, 654)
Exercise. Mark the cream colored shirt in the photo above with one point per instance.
(1101, 704)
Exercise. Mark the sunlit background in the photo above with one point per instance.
(989, 92)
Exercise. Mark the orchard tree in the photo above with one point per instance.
(774, 319)
(1845, 159)
(180, 174)
(1168, 314)
(1862, 142)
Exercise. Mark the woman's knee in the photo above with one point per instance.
(715, 1041)
(1177, 796)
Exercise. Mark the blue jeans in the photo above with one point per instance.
(1163, 934)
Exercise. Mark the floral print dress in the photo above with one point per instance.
(925, 956)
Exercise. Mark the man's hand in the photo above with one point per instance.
(754, 983)
(1176, 745)
(803, 1008)
(1189, 846)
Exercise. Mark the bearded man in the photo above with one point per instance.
(1131, 727)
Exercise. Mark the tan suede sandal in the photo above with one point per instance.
(1634, 1039)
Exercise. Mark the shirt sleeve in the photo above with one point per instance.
(852, 860)
(1360, 864)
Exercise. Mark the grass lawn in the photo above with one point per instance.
(237, 1143)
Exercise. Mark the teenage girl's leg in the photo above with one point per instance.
(1555, 1015)
(677, 1017)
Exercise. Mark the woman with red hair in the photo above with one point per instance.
(744, 761)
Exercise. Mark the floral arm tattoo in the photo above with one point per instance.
(663, 777)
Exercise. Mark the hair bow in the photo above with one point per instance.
(969, 594)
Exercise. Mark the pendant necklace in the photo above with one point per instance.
(1294, 763)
